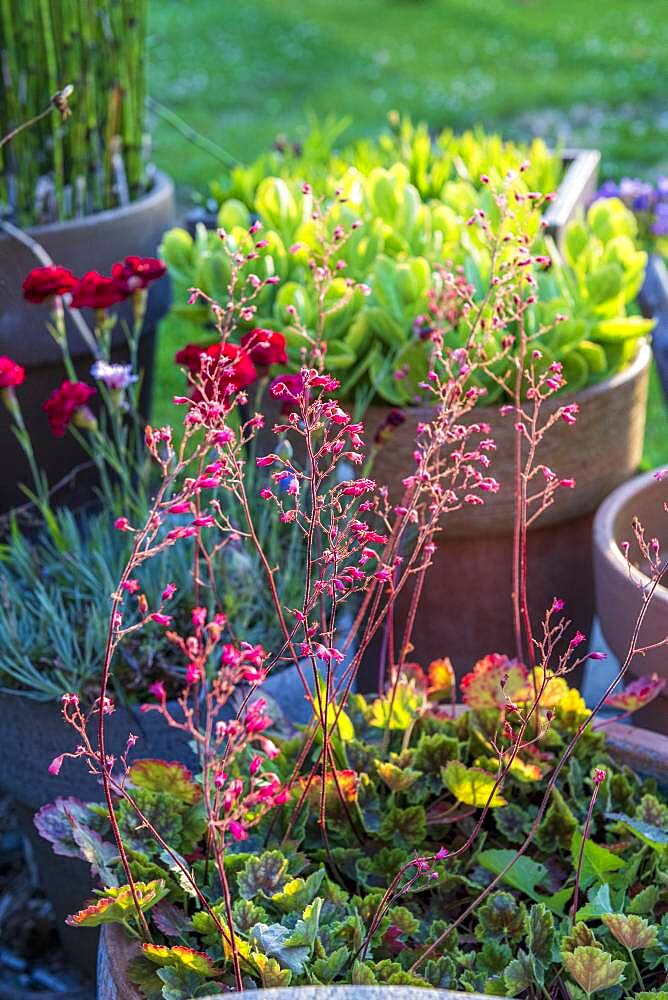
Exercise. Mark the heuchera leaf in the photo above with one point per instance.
(298, 892)
(57, 821)
(524, 875)
(599, 903)
(501, 918)
(441, 678)
(397, 779)
(630, 930)
(651, 835)
(540, 935)
(118, 904)
(471, 786)
(397, 712)
(179, 956)
(171, 920)
(99, 854)
(481, 688)
(161, 776)
(581, 936)
(593, 969)
(273, 940)
(327, 969)
(266, 874)
(597, 862)
(271, 973)
(637, 694)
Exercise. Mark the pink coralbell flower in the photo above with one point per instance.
(161, 619)
(238, 831)
(193, 674)
(157, 689)
(56, 764)
(599, 775)
(122, 524)
(291, 390)
(169, 591)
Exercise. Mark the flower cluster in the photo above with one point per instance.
(649, 202)
(92, 290)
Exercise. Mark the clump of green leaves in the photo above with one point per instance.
(414, 779)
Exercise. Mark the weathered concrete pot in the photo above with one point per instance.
(465, 609)
(641, 750)
(653, 299)
(32, 733)
(93, 242)
(116, 950)
(618, 591)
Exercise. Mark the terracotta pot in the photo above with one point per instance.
(618, 597)
(466, 605)
(639, 749)
(93, 242)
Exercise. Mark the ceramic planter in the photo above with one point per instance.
(465, 609)
(618, 597)
(93, 242)
(637, 748)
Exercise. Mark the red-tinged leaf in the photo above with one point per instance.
(637, 694)
(484, 686)
(161, 776)
(118, 905)
(441, 678)
(171, 920)
(181, 957)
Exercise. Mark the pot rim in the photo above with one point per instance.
(604, 522)
(162, 187)
(640, 362)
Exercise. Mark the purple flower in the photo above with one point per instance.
(608, 189)
(660, 225)
(115, 377)
(637, 194)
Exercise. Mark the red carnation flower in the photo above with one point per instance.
(44, 282)
(137, 272)
(289, 389)
(67, 404)
(234, 367)
(11, 373)
(266, 347)
(95, 291)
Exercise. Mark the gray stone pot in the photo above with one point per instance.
(93, 242)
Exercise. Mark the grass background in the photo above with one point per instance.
(242, 73)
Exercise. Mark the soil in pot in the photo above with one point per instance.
(90, 243)
(618, 591)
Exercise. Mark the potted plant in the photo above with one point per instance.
(378, 336)
(620, 587)
(75, 186)
(356, 850)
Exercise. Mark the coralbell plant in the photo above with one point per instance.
(360, 850)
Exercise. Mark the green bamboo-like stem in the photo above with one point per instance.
(71, 168)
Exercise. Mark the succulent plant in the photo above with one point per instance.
(404, 221)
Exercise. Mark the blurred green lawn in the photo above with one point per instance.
(241, 73)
